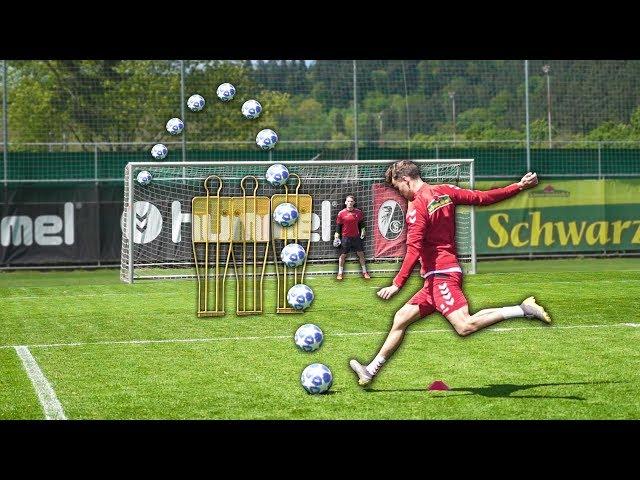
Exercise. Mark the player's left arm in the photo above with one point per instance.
(361, 227)
(415, 237)
(462, 196)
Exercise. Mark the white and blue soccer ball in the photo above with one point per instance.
(175, 126)
(277, 175)
(144, 178)
(293, 255)
(285, 214)
(308, 337)
(195, 103)
(159, 151)
(266, 139)
(316, 378)
(226, 92)
(251, 109)
(300, 296)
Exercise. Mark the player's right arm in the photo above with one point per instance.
(415, 236)
(462, 196)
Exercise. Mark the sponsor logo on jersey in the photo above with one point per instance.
(438, 202)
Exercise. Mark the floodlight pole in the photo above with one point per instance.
(526, 109)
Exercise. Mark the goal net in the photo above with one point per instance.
(157, 228)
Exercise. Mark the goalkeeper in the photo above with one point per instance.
(350, 232)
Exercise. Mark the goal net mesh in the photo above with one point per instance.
(159, 213)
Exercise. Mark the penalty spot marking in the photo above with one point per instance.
(283, 337)
(50, 404)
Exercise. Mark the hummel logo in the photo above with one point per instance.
(411, 216)
(141, 221)
(446, 294)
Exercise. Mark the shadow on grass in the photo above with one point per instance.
(502, 390)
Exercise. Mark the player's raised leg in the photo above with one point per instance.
(466, 324)
(402, 319)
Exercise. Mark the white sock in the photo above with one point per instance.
(364, 269)
(339, 270)
(512, 312)
(374, 366)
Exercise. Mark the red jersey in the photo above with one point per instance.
(431, 225)
(349, 221)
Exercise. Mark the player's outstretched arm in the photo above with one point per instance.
(462, 196)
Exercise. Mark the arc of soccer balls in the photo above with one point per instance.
(266, 139)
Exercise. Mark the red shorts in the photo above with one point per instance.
(441, 292)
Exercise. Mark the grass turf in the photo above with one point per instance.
(582, 367)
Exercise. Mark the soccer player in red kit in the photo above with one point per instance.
(350, 226)
(431, 240)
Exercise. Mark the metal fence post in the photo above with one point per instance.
(184, 133)
(95, 162)
(355, 112)
(5, 122)
(599, 160)
(526, 105)
(96, 186)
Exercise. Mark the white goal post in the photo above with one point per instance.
(159, 213)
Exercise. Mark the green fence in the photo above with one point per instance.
(95, 164)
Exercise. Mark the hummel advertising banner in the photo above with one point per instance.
(81, 223)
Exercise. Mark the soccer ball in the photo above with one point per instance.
(251, 109)
(285, 214)
(195, 103)
(159, 151)
(144, 178)
(308, 337)
(266, 139)
(293, 255)
(277, 175)
(300, 296)
(316, 378)
(226, 92)
(175, 126)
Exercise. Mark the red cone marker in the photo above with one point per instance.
(438, 385)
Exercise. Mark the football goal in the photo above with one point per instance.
(158, 228)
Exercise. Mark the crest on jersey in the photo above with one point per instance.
(438, 202)
(390, 219)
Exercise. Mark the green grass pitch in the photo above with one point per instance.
(116, 351)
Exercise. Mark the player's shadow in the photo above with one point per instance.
(504, 390)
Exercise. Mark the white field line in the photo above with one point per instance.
(50, 404)
(285, 337)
